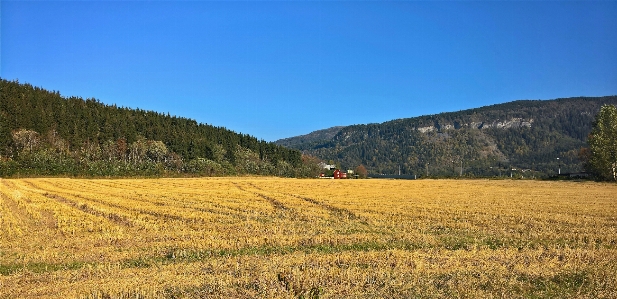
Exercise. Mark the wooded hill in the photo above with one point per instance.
(43, 133)
(526, 135)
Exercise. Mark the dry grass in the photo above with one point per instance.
(288, 238)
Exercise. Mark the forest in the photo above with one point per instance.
(44, 133)
(527, 138)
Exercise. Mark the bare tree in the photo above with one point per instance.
(26, 140)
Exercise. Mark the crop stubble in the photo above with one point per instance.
(289, 238)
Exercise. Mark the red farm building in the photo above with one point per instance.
(338, 174)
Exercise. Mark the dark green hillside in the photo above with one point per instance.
(528, 136)
(44, 133)
(306, 140)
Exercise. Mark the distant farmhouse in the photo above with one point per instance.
(336, 173)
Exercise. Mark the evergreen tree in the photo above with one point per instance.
(603, 143)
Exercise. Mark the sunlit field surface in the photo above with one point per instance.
(289, 238)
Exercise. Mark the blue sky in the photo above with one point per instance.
(276, 69)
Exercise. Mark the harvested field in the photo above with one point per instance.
(291, 238)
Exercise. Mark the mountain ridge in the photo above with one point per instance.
(522, 134)
(322, 134)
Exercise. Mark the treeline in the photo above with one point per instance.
(527, 136)
(43, 133)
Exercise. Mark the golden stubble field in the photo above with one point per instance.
(290, 238)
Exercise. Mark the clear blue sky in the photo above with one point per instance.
(278, 69)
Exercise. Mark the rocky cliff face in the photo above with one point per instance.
(512, 123)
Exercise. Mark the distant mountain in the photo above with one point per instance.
(526, 135)
(43, 133)
(319, 135)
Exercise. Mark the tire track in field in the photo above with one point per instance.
(84, 207)
(155, 214)
(104, 203)
(19, 212)
(47, 217)
(275, 203)
(223, 210)
(193, 204)
(339, 212)
(140, 211)
(121, 220)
